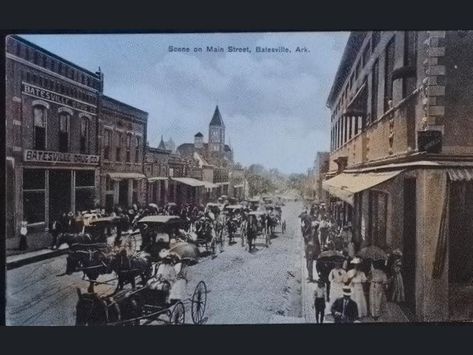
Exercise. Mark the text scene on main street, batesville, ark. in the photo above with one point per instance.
(239, 178)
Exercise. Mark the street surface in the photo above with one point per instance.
(244, 288)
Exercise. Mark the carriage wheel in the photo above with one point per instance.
(199, 302)
(178, 314)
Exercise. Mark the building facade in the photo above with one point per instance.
(52, 158)
(401, 159)
(122, 141)
(157, 172)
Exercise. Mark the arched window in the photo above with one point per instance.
(39, 131)
(84, 135)
(64, 121)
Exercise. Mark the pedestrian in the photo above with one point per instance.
(344, 309)
(55, 229)
(337, 278)
(377, 296)
(23, 236)
(320, 295)
(356, 279)
(397, 282)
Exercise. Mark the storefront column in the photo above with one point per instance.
(73, 191)
(431, 294)
(116, 192)
(46, 200)
(130, 192)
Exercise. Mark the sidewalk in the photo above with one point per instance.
(39, 250)
(392, 312)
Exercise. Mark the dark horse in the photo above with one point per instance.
(128, 268)
(71, 239)
(94, 310)
(92, 262)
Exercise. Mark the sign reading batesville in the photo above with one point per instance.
(41, 156)
(51, 96)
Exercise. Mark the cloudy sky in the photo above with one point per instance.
(273, 104)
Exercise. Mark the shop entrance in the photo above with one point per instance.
(409, 243)
(59, 193)
(460, 243)
(123, 193)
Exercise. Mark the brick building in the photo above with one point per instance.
(401, 159)
(52, 154)
(122, 141)
(157, 172)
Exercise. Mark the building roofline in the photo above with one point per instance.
(55, 56)
(352, 47)
(125, 104)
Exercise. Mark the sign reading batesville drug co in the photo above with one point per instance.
(41, 156)
(51, 96)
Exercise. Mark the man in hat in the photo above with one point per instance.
(344, 309)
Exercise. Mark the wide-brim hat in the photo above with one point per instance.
(346, 291)
(164, 253)
(356, 261)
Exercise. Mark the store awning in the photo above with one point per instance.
(346, 185)
(223, 183)
(124, 176)
(189, 181)
(209, 185)
(239, 186)
(157, 178)
(460, 174)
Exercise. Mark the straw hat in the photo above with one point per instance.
(356, 261)
(346, 291)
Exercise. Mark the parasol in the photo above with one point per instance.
(153, 205)
(185, 250)
(330, 255)
(372, 252)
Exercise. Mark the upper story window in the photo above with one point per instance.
(39, 131)
(119, 144)
(388, 80)
(84, 135)
(410, 63)
(128, 147)
(374, 91)
(107, 144)
(64, 122)
(137, 150)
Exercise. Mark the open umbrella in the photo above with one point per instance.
(330, 255)
(372, 252)
(185, 250)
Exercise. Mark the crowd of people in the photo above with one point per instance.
(348, 286)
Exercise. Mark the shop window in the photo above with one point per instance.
(85, 178)
(135, 191)
(39, 131)
(84, 135)
(64, 121)
(137, 150)
(108, 183)
(388, 80)
(33, 195)
(85, 199)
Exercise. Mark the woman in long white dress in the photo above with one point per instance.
(357, 278)
(378, 283)
(337, 278)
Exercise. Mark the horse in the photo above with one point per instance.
(128, 267)
(232, 229)
(94, 310)
(70, 239)
(93, 262)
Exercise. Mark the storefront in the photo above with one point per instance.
(157, 190)
(186, 190)
(123, 189)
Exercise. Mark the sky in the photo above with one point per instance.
(273, 104)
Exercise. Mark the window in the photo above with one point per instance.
(119, 143)
(410, 60)
(107, 143)
(84, 135)
(137, 150)
(376, 36)
(378, 202)
(64, 131)
(374, 91)
(39, 132)
(128, 147)
(388, 81)
(34, 195)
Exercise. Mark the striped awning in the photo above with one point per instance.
(460, 174)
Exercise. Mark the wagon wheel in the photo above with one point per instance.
(199, 302)
(178, 314)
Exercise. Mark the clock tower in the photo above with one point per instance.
(216, 135)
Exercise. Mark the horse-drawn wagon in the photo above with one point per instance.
(257, 228)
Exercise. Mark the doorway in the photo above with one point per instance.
(59, 193)
(409, 243)
(123, 193)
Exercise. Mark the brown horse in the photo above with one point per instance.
(128, 268)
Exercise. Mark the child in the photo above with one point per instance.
(319, 301)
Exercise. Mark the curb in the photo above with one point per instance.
(19, 261)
